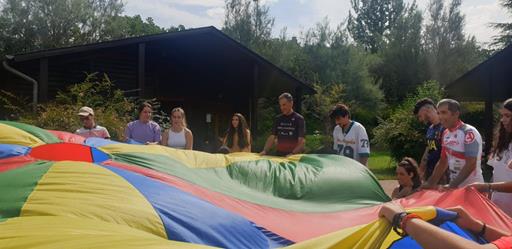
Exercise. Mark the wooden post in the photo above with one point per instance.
(254, 102)
(297, 105)
(43, 79)
(489, 116)
(141, 70)
(489, 126)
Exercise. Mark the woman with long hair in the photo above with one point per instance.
(238, 136)
(501, 160)
(178, 136)
(144, 130)
(408, 177)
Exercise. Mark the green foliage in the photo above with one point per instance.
(318, 106)
(112, 110)
(401, 132)
(402, 64)
(372, 20)
(248, 22)
(449, 52)
(27, 25)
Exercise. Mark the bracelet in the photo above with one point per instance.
(395, 223)
(482, 231)
(406, 219)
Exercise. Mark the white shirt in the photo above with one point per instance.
(353, 143)
(461, 142)
(96, 131)
(502, 173)
(177, 139)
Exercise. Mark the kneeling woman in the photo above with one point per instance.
(238, 137)
(408, 178)
(178, 136)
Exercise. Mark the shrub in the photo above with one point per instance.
(401, 133)
(111, 108)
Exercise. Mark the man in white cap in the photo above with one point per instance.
(90, 128)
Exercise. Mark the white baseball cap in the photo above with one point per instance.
(85, 111)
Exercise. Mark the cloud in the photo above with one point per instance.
(298, 15)
(170, 13)
(479, 17)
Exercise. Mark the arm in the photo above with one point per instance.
(505, 187)
(363, 161)
(423, 163)
(464, 172)
(165, 138)
(157, 135)
(105, 134)
(190, 139)
(439, 170)
(301, 128)
(268, 144)
(466, 221)
(127, 133)
(394, 195)
(300, 146)
(249, 140)
(363, 148)
(423, 232)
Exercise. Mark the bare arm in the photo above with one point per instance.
(423, 232)
(249, 140)
(439, 170)
(464, 172)
(364, 161)
(505, 187)
(190, 139)
(165, 138)
(268, 144)
(423, 163)
(300, 146)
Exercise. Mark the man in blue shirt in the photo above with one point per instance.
(426, 112)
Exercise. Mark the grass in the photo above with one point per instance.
(382, 165)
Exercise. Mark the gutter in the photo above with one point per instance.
(23, 76)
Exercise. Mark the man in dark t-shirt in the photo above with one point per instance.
(288, 129)
(426, 112)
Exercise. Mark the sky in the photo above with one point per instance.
(299, 15)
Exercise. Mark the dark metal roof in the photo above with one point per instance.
(156, 37)
(490, 79)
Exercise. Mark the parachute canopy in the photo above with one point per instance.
(59, 190)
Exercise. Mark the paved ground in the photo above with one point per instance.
(388, 185)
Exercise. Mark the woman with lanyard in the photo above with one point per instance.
(501, 160)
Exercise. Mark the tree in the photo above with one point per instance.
(372, 20)
(505, 36)
(248, 22)
(401, 133)
(27, 25)
(449, 52)
(131, 26)
(401, 65)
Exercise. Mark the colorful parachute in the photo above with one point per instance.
(59, 190)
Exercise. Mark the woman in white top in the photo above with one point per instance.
(178, 136)
(501, 160)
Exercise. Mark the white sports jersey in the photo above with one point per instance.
(353, 143)
(461, 142)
